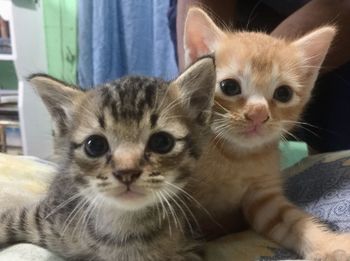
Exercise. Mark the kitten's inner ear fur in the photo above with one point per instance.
(314, 46)
(201, 35)
(59, 99)
(196, 89)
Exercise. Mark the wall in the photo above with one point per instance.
(60, 21)
(8, 77)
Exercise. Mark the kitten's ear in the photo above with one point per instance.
(58, 97)
(200, 35)
(314, 46)
(196, 88)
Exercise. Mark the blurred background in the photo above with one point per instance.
(89, 42)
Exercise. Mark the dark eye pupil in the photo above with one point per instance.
(230, 87)
(283, 93)
(96, 146)
(161, 142)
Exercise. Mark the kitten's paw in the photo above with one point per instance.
(337, 255)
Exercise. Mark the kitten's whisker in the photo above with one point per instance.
(222, 107)
(220, 133)
(222, 120)
(308, 130)
(230, 117)
(301, 125)
(219, 113)
(165, 212)
(80, 213)
(291, 134)
(236, 124)
(199, 205)
(315, 127)
(78, 228)
(157, 208)
(73, 214)
(218, 139)
(222, 126)
(300, 122)
(217, 126)
(170, 209)
(98, 213)
(178, 205)
(63, 204)
(283, 139)
(88, 216)
(184, 212)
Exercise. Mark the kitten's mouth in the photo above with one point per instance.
(131, 193)
(252, 131)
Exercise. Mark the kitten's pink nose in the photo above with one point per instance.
(127, 176)
(257, 114)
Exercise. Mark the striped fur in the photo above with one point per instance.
(89, 214)
(247, 184)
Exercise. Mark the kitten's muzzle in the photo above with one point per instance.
(257, 114)
(127, 176)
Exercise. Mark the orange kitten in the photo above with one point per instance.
(263, 84)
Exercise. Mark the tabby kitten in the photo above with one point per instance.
(263, 83)
(128, 150)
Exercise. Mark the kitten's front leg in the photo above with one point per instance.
(271, 214)
(33, 224)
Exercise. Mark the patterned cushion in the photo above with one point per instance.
(322, 187)
(23, 179)
(27, 252)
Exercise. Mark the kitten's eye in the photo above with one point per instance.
(230, 87)
(161, 142)
(96, 146)
(283, 93)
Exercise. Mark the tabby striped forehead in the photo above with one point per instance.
(128, 99)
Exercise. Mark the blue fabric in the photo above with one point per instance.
(118, 37)
(172, 13)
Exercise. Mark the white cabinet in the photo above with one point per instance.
(29, 56)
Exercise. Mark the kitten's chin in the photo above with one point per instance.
(130, 200)
(250, 143)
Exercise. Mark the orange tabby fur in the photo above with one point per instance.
(239, 174)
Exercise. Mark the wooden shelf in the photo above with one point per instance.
(28, 56)
(8, 109)
(8, 92)
(7, 57)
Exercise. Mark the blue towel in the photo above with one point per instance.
(124, 37)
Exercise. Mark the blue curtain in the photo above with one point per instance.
(119, 37)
